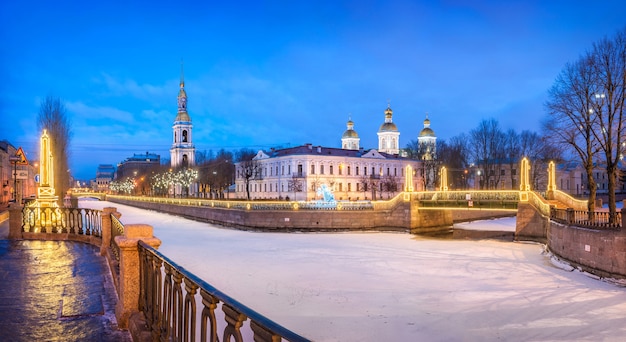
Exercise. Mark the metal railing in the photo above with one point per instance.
(600, 220)
(79, 221)
(169, 298)
(117, 229)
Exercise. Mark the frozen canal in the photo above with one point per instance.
(394, 286)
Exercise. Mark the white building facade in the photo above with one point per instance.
(297, 173)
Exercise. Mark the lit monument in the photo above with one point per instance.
(45, 192)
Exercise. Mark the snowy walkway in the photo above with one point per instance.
(394, 286)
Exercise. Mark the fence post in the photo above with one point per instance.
(106, 229)
(570, 216)
(129, 286)
(15, 221)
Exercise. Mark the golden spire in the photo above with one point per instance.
(182, 74)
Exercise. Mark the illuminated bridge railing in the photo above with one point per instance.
(506, 200)
(601, 220)
(78, 221)
(178, 306)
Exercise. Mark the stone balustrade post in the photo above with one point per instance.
(570, 216)
(15, 221)
(106, 229)
(128, 302)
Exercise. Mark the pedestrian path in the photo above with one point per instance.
(56, 291)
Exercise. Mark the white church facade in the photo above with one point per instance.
(351, 172)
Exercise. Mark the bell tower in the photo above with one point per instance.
(182, 153)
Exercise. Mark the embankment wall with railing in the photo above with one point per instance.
(395, 216)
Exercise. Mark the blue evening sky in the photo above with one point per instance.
(260, 74)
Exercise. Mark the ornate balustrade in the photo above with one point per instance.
(117, 229)
(601, 220)
(170, 298)
(79, 221)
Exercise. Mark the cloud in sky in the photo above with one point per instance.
(260, 74)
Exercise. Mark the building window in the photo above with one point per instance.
(365, 171)
(356, 171)
(349, 184)
(388, 173)
(331, 169)
(289, 170)
(340, 186)
(300, 170)
(184, 135)
(312, 169)
(348, 175)
(340, 169)
(282, 170)
(502, 172)
(322, 169)
(358, 186)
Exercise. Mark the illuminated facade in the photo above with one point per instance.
(297, 173)
(182, 152)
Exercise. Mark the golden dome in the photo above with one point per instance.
(183, 116)
(350, 133)
(427, 132)
(388, 127)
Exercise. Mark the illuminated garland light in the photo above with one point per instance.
(126, 186)
(165, 180)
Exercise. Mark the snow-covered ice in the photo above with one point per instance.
(394, 286)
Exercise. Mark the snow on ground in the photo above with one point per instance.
(394, 286)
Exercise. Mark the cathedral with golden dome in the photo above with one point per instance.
(351, 172)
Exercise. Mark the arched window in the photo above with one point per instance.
(185, 135)
(185, 161)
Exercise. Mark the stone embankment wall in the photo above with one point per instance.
(397, 218)
(601, 252)
(404, 216)
(598, 251)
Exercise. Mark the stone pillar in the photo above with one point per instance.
(128, 302)
(106, 229)
(15, 221)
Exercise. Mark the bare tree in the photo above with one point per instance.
(249, 169)
(295, 185)
(608, 65)
(364, 184)
(454, 156)
(53, 117)
(487, 149)
(571, 119)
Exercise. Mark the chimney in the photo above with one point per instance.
(319, 149)
(310, 146)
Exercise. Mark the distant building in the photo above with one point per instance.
(137, 165)
(15, 179)
(298, 172)
(104, 176)
(351, 172)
